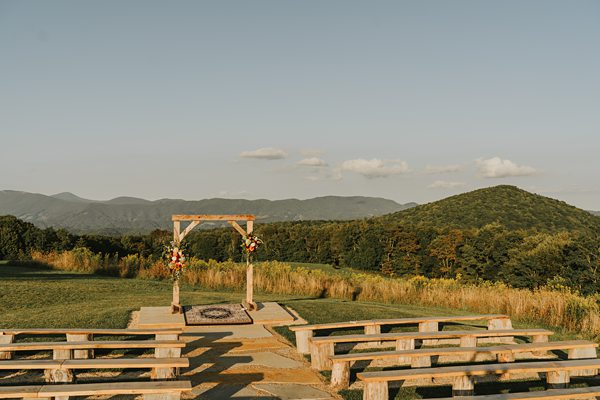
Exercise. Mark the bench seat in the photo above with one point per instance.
(98, 344)
(557, 375)
(426, 324)
(168, 390)
(323, 348)
(552, 394)
(422, 358)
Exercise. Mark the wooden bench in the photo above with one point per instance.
(7, 336)
(422, 358)
(323, 348)
(425, 324)
(557, 375)
(162, 390)
(62, 370)
(68, 350)
(552, 394)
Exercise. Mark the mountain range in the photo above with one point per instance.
(134, 215)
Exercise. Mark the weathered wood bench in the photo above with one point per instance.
(426, 324)
(62, 370)
(161, 390)
(323, 348)
(7, 336)
(422, 358)
(557, 375)
(67, 350)
(552, 394)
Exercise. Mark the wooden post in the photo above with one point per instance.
(373, 330)
(81, 338)
(421, 362)
(6, 339)
(468, 341)
(505, 357)
(581, 353)
(540, 339)
(429, 326)
(463, 386)
(249, 303)
(320, 354)
(340, 374)
(162, 396)
(58, 375)
(166, 352)
(557, 379)
(501, 324)
(375, 391)
(302, 341)
(405, 344)
(176, 303)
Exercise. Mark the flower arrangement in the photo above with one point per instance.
(250, 243)
(174, 253)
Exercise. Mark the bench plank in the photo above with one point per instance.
(9, 392)
(431, 335)
(83, 331)
(131, 344)
(113, 388)
(479, 370)
(96, 363)
(519, 348)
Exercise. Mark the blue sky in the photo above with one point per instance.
(409, 100)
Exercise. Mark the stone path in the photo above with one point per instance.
(248, 362)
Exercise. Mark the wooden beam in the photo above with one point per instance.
(188, 229)
(208, 217)
(176, 229)
(249, 226)
(238, 228)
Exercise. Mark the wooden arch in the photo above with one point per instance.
(194, 221)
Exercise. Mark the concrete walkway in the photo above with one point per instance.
(248, 362)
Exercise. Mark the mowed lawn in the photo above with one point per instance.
(38, 297)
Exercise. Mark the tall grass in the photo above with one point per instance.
(554, 305)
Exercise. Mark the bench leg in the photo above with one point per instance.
(6, 339)
(540, 339)
(162, 396)
(303, 341)
(463, 386)
(580, 353)
(557, 379)
(501, 324)
(320, 354)
(375, 391)
(373, 330)
(83, 354)
(421, 362)
(58, 375)
(506, 357)
(405, 344)
(429, 327)
(166, 373)
(468, 341)
(340, 375)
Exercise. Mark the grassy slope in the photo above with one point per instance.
(513, 207)
(34, 297)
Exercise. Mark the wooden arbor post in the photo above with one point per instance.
(194, 221)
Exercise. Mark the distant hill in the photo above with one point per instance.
(134, 215)
(512, 207)
(595, 213)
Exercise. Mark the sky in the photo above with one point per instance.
(407, 100)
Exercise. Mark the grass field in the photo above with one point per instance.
(38, 297)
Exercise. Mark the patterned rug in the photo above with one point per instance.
(217, 314)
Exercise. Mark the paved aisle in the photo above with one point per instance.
(248, 362)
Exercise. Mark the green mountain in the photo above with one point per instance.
(512, 207)
(134, 215)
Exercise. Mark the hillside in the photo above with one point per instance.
(133, 215)
(512, 207)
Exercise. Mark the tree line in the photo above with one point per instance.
(525, 258)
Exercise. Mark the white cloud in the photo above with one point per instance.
(446, 185)
(312, 162)
(496, 167)
(265, 153)
(443, 169)
(375, 168)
